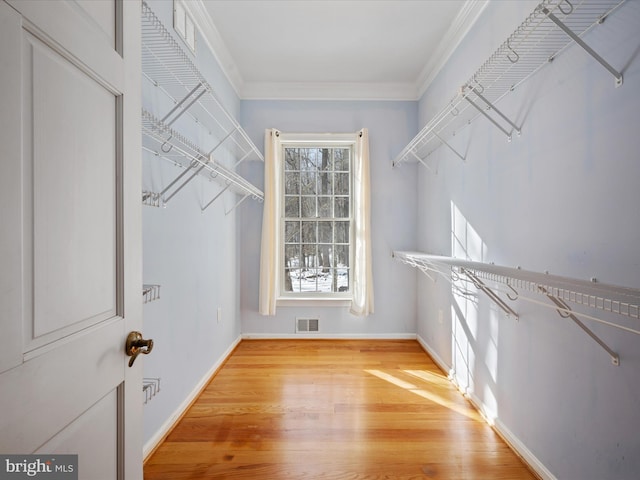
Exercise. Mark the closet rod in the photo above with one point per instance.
(559, 290)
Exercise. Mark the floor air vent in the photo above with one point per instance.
(304, 325)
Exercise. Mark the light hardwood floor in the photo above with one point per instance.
(332, 410)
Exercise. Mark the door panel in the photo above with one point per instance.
(74, 193)
(49, 392)
(99, 418)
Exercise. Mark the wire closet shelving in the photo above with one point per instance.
(150, 292)
(550, 28)
(168, 67)
(150, 388)
(623, 302)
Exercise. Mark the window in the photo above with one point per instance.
(317, 219)
(183, 24)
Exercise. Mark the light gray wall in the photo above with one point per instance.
(193, 256)
(561, 198)
(393, 213)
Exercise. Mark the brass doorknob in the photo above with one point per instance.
(136, 345)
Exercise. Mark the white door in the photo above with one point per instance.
(70, 244)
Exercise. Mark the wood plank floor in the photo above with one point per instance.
(332, 410)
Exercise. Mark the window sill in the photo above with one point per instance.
(314, 302)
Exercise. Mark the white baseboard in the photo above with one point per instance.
(436, 358)
(166, 427)
(329, 336)
(507, 435)
(523, 451)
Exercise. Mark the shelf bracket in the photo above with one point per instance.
(179, 177)
(215, 198)
(490, 293)
(181, 103)
(227, 212)
(222, 141)
(617, 75)
(565, 312)
(243, 158)
(492, 106)
(450, 147)
(421, 161)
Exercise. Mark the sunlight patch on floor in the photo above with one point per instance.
(467, 411)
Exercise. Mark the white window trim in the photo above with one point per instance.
(310, 298)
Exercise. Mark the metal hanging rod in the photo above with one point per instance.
(168, 67)
(622, 301)
(162, 140)
(553, 26)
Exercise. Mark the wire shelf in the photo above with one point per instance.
(150, 388)
(559, 290)
(170, 69)
(170, 145)
(607, 298)
(531, 46)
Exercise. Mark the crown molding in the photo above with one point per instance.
(459, 28)
(461, 25)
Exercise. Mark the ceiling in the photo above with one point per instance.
(332, 49)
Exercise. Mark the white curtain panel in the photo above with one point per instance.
(270, 248)
(362, 286)
(362, 276)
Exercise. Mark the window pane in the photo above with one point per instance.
(291, 183)
(292, 206)
(292, 256)
(341, 256)
(342, 232)
(326, 162)
(325, 233)
(342, 207)
(288, 280)
(325, 183)
(291, 159)
(292, 232)
(308, 183)
(341, 184)
(324, 207)
(309, 232)
(324, 258)
(343, 279)
(309, 207)
(308, 159)
(341, 159)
